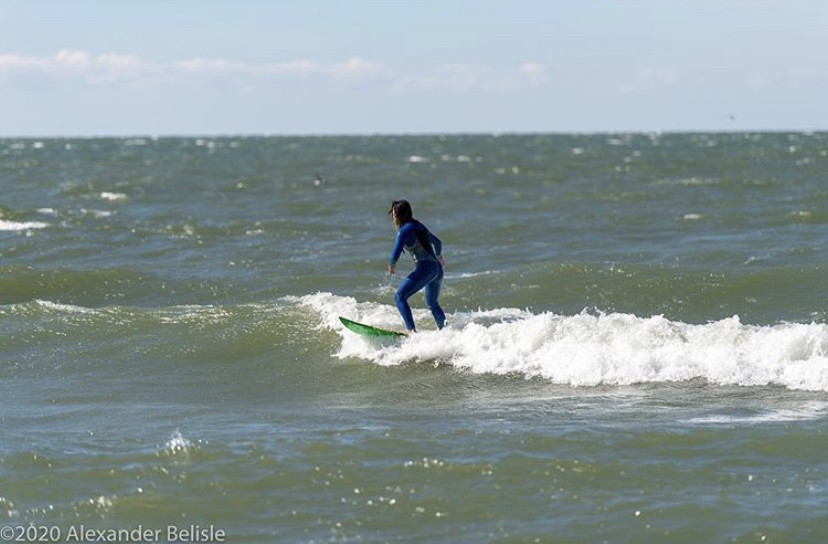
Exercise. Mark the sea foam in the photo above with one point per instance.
(591, 349)
(22, 225)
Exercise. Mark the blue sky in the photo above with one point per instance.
(159, 67)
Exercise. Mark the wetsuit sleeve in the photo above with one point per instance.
(436, 243)
(398, 246)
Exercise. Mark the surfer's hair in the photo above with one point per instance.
(401, 212)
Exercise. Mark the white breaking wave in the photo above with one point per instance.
(25, 225)
(177, 444)
(591, 349)
(106, 195)
(67, 308)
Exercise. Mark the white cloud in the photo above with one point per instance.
(77, 61)
(82, 63)
(63, 62)
(68, 63)
(12, 62)
(357, 67)
(110, 68)
(351, 68)
(114, 61)
(533, 72)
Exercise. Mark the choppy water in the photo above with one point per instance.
(637, 347)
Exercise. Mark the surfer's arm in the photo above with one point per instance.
(399, 244)
(397, 251)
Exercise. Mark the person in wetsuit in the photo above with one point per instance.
(426, 250)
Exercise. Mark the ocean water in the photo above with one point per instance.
(637, 348)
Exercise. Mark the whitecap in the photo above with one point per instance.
(467, 275)
(99, 214)
(177, 444)
(19, 226)
(106, 195)
(67, 308)
(590, 349)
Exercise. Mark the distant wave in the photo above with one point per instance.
(22, 225)
(591, 349)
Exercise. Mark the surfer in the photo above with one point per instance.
(426, 250)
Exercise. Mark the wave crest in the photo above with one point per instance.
(591, 349)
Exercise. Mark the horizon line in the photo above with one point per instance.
(494, 133)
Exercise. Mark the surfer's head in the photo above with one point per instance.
(400, 212)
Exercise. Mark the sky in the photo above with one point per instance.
(210, 67)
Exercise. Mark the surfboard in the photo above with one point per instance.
(368, 330)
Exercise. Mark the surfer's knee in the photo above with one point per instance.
(400, 296)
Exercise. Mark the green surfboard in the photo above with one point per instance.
(368, 330)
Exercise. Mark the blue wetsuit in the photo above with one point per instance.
(424, 248)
